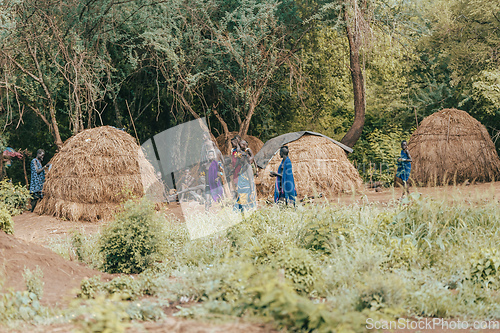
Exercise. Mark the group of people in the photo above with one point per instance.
(233, 176)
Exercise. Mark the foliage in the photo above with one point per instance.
(34, 281)
(101, 314)
(134, 240)
(6, 223)
(415, 257)
(299, 267)
(17, 305)
(382, 148)
(322, 235)
(15, 198)
(484, 267)
(401, 253)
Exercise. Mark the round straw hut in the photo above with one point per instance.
(93, 173)
(449, 147)
(319, 163)
(254, 143)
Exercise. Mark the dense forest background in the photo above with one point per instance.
(371, 69)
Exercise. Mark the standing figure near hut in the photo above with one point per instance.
(246, 194)
(249, 152)
(404, 167)
(285, 184)
(235, 151)
(37, 177)
(214, 173)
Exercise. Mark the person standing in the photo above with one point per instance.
(249, 152)
(285, 184)
(246, 194)
(37, 177)
(404, 167)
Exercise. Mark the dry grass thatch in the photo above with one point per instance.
(93, 173)
(254, 143)
(319, 166)
(451, 146)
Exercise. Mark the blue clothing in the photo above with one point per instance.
(247, 197)
(37, 179)
(404, 167)
(285, 185)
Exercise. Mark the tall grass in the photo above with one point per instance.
(411, 258)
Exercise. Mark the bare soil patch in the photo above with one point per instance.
(60, 276)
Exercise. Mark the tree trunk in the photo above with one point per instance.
(55, 128)
(358, 86)
(246, 123)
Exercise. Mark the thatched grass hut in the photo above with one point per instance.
(449, 147)
(254, 143)
(320, 165)
(93, 173)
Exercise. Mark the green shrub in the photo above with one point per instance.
(6, 223)
(484, 268)
(380, 293)
(21, 305)
(134, 240)
(145, 310)
(34, 281)
(127, 286)
(402, 252)
(101, 314)
(323, 235)
(90, 288)
(15, 197)
(299, 267)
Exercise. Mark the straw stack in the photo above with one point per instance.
(450, 147)
(319, 166)
(93, 173)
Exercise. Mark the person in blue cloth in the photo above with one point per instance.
(285, 184)
(404, 167)
(37, 177)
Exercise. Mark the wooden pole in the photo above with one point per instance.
(132, 120)
(25, 174)
(1, 165)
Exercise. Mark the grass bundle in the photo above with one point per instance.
(94, 172)
(449, 147)
(319, 166)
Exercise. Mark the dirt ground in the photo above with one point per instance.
(33, 232)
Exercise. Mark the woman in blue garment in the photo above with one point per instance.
(404, 167)
(285, 184)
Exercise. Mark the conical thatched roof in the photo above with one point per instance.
(254, 143)
(93, 173)
(451, 146)
(319, 166)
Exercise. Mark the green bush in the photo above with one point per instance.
(299, 267)
(33, 281)
(484, 268)
(101, 314)
(6, 223)
(402, 252)
(134, 240)
(14, 197)
(20, 305)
